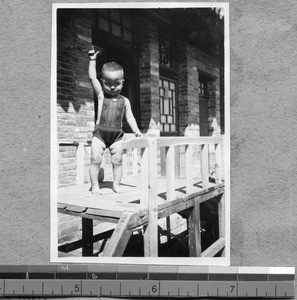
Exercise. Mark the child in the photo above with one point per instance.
(108, 131)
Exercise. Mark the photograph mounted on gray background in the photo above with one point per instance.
(140, 134)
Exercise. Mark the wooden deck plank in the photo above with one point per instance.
(97, 205)
(104, 212)
(76, 208)
(131, 191)
(85, 215)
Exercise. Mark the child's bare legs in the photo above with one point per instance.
(97, 150)
(116, 151)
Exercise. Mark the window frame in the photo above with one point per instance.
(175, 116)
(106, 14)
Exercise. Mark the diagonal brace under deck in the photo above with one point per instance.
(121, 235)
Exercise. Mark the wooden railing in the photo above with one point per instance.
(148, 197)
(148, 148)
(80, 158)
(169, 143)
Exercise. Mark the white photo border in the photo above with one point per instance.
(214, 261)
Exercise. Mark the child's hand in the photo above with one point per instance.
(92, 54)
(138, 134)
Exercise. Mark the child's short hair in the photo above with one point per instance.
(112, 66)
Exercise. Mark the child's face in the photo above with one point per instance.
(112, 82)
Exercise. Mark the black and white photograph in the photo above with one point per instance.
(140, 133)
(149, 142)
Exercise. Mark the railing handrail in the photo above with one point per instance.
(161, 141)
(141, 142)
(182, 140)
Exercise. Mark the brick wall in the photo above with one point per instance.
(148, 54)
(208, 65)
(191, 61)
(75, 98)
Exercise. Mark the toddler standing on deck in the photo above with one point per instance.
(112, 107)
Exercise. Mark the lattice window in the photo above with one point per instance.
(203, 87)
(165, 52)
(116, 24)
(167, 94)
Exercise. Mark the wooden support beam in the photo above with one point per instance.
(168, 228)
(87, 237)
(204, 166)
(79, 243)
(194, 231)
(183, 203)
(221, 215)
(215, 248)
(218, 163)
(170, 174)
(151, 231)
(120, 237)
(189, 169)
(222, 219)
(175, 206)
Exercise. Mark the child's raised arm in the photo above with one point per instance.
(93, 73)
(131, 120)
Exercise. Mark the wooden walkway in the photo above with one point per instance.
(146, 199)
(125, 208)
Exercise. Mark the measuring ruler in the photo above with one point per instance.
(146, 281)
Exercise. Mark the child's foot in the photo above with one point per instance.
(96, 190)
(117, 189)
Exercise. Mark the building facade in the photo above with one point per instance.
(173, 61)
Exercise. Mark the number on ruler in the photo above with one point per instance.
(76, 288)
(154, 289)
(232, 288)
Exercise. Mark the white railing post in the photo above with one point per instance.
(134, 162)
(218, 163)
(189, 169)
(151, 231)
(204, 165)
(170, 173)
(144, 177)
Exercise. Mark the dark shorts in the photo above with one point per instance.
(108, 138)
